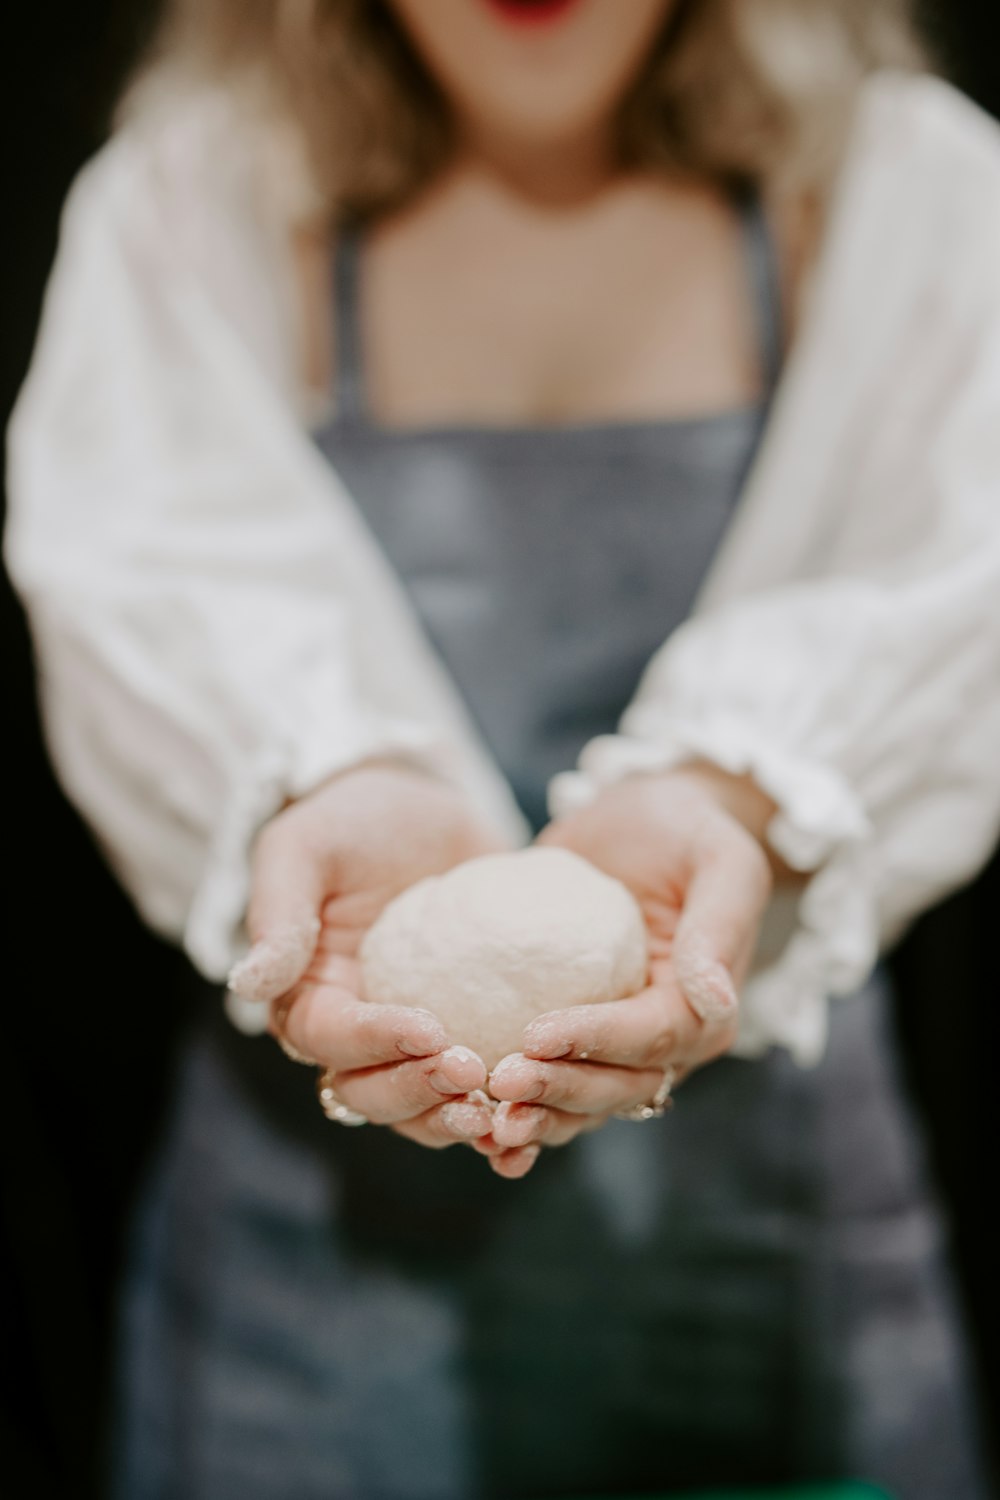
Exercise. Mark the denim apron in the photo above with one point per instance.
(748, 1291)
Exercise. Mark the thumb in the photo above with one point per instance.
(717, 930)
(287, 891)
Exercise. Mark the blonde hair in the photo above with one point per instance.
(737, 90)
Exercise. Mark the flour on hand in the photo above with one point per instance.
(500, 940)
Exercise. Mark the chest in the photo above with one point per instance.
(543, 327)
(640, 310)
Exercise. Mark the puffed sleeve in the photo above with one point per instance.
(864, 695)
(169, 539)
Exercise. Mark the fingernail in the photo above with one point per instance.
(533, 1091)
(417, 1049)
(274, 963)
(707, 985)
(548, 1049)
(443, 1083)
(515, 1124)
(467, 1120)
(526, 1158)
(515, 1064)
(461, 1055)
(507, 1062)
(526, 1095)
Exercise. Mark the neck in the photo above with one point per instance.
(555, 174)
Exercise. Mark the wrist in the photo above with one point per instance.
(739, 796)
(380, 767)
(742, 799)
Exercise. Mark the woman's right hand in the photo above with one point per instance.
(323, 869)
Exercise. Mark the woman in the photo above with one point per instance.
(411, 373)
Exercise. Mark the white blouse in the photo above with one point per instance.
(217, 630)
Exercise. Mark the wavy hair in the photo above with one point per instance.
(738, 90)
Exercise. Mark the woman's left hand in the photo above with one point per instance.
(688, 844)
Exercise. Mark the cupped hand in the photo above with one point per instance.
(323, 870)
(682, 842)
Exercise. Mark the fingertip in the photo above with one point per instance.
(275, 962)
(545, 1045)
(515, 1163)
(550, 1037)
(467, 1119)
(427, 1018)
(511, 1076)
(515, 1125)
(505, 1064)
(421, 1034)
(463, 1055)
(707, 985)
(416, 1046)
(415, 1051)
(464, 1067)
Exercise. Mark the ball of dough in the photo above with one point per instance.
(499, 940)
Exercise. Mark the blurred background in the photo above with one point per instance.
(85, 1063)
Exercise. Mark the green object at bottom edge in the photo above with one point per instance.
(809, 1492)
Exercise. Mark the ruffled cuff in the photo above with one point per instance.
(214, 936)
(820, 827)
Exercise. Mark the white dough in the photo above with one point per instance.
(499, 940)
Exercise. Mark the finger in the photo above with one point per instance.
(516, 1163)
(402, 1090)
(448, 1124)
(717, 930)
(646, 1030)
(287, 890)
(470, 1118)
(580, 1087)
(329, 966)
(276, 961)
(526, 1124)
(517, 1125)
(328, 1024)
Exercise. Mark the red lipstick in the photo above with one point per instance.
(530, 12)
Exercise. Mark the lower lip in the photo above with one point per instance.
(538, 13)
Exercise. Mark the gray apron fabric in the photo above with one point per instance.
(749, 1291)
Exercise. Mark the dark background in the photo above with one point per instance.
(89, 997)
